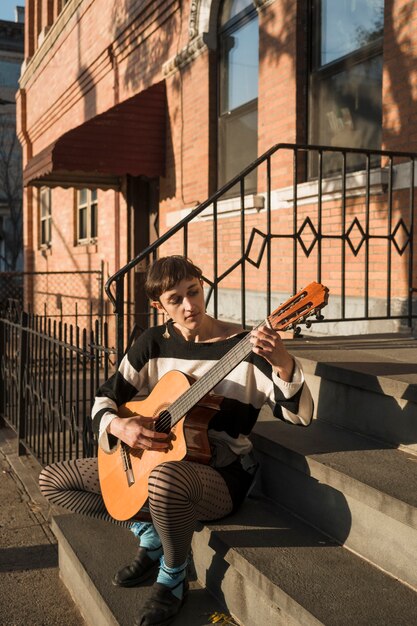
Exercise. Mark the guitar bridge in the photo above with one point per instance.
(127, 466)
(130, 477)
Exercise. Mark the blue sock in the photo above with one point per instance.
(172, 577)
(148, 539)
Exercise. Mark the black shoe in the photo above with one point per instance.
(142, 568)
(162, 607)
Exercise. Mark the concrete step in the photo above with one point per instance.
(368, 385)
(90, 552)
(271, 568)
(264, 565)
(356, 490)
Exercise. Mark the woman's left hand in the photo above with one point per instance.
(268, 344)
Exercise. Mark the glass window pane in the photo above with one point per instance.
(82, 224)
(238, 139)
(43, 232)
(93, 195)
(45, 202)
(348, 105)
(239, 66)
(93, 216)
(348, 112)
(82, 196)
(347, 25)
(231, 8)
(9, 73)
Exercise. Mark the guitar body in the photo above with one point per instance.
(124, 498)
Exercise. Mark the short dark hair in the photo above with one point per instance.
(167, 272)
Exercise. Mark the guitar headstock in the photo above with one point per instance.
(307, 302)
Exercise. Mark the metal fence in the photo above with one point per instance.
(66, 295)
(48, 377)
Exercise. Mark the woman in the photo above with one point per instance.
(182, 492)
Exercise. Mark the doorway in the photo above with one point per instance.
(143, 215)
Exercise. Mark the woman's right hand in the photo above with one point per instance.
(137, 432)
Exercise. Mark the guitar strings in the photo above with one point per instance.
(201, 387)
(204, 385)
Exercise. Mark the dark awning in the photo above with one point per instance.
(129, 138)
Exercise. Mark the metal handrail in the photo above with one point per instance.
(229, 185)
(117, 298)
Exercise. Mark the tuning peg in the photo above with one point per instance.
(308, 324)
(297, 331)
(319, 317)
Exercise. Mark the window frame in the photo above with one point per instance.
(319, 73)
(232, 25)
(45, 220)
(90, 206)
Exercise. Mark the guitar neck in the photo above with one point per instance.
(299, 307)
(206, 383)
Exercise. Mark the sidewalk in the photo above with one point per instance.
(31, 593)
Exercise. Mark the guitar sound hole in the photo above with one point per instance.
(163, 422)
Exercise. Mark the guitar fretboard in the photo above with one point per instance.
(206, 383)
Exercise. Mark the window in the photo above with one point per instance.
(9, 73)
(87, 216)
(238, 90)
(346, 75)
(45, 217)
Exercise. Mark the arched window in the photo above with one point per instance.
(238, 90)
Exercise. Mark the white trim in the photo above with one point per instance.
(42, 35)
(307, 193)
(199, 21)
(225, 208)
(190, 52)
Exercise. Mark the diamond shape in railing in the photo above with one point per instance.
(406, 232)
(307, 224)
(355, 224)
(254, 241)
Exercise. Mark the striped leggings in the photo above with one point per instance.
(180, 493)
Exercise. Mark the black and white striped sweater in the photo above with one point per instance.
(245, 389)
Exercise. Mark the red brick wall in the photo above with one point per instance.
(399, 76)
(277, 80)
(110, 51)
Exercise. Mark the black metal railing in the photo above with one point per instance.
(363, 217)
(78, 295)
(49, 373)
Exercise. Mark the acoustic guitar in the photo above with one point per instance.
(185, 406)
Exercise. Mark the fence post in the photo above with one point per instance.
(120, 322)
(21, 409)
(2, 369)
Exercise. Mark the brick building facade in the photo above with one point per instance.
(132, 113)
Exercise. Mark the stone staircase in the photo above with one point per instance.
(329, 534)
